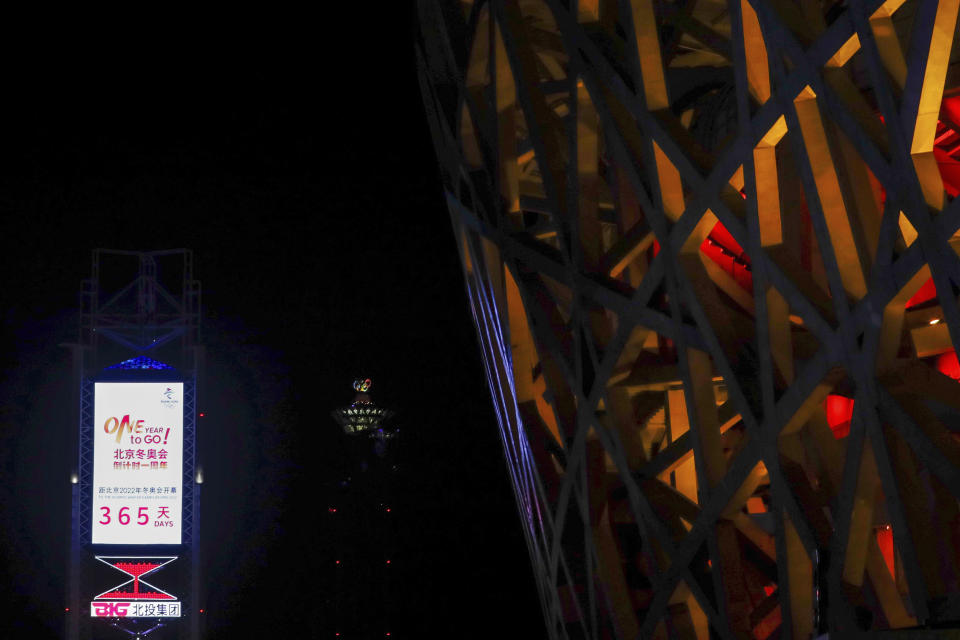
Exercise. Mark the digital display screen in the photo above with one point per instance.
(137, 463)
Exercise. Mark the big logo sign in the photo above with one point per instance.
(135, 598)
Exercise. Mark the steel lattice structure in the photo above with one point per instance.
(712, 254)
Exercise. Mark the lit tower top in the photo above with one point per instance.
(363, 416)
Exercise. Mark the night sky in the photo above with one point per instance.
(303, 178)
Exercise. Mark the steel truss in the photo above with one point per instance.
(711, 250)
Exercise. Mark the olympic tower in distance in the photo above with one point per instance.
(361, 527)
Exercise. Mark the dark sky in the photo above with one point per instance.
(302, 176)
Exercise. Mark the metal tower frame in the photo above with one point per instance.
(128, 311)
(711, 250)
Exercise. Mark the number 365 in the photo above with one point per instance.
(123, 516)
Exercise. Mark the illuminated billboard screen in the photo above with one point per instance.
(137, 463)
